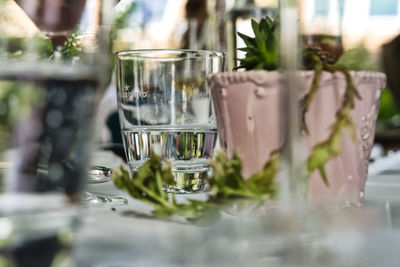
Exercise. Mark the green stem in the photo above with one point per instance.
(152, 195)
(307, 99)
(329, 148)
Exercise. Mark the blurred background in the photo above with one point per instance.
(366, 27)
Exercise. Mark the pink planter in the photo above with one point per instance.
(247, 110)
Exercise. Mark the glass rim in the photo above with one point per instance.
(151, 54)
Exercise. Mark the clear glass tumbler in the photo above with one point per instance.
(165, 107)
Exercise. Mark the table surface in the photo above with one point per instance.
(127, 235)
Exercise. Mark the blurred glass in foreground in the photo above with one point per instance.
(48, 91)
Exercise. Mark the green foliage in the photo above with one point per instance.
(43, 45)
(227, 187)
(359, 58)
(15, 47)
(228, 183)
(16, 100)
(4, 261)
(262, 51)
(387, 108)
(72, 47)
(121, 19)
(147, 185)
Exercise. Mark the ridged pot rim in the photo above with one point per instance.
(266, 78)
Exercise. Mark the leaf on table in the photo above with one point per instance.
(227, 187)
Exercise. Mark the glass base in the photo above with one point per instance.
(97, 199)
(188, 178)
(99, 174)
(41, 237)
(189, 182)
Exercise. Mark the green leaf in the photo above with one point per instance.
(255, 27)
(321, 154)
(323, 175)
(270, 22)
(335, 142)
(264, 28)
(244, 49)
(247, 40)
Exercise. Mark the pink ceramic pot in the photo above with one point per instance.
(247, 110)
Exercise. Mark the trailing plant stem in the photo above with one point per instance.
(307, 99)
(329, 148)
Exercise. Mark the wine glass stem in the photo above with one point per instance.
(58, 41)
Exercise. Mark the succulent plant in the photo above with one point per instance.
(262, 52)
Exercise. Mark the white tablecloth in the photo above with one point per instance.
(128, 236)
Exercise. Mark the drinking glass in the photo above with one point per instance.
(48, 93)
(320, 27)
(165, 107)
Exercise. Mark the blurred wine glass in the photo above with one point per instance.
(56, 19)
(320, 27)
(47, 105)
(70, 25)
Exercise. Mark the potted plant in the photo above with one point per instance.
(339, 107)
(339, 112)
